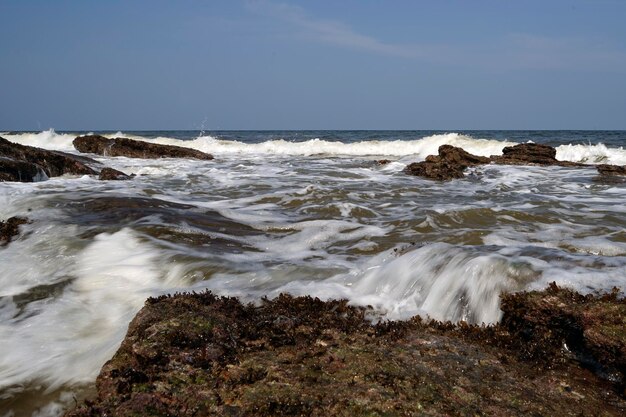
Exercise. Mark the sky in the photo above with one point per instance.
(262, 65)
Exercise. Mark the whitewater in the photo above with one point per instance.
(308, 213)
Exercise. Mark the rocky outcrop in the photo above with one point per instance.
(10, 228)
(134, 148)
(449, 164)
(452, 161)
(110, 174)
(526, 154)
(611, 170)
(198, 354)
(27, 164)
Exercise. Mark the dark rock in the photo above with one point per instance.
(198, 354)
(526, 154)
(10, 228)
(108, 174)
(27, 163)
(20, 171)
(449, 164)
(134, 148)
(610, 170)
(383, 161)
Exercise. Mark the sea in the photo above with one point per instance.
(301, 212)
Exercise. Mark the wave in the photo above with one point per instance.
(418, 148)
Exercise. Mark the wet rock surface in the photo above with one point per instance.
(27, 164)
(110, 174)
(10, 229)
(449, 164)
(198, 354)
(611, 170)
(101, 145)
(452, 161)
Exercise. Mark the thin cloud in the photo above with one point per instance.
(330, 31)
(516, 51)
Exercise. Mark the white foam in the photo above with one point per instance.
(48, 139)
(439, 280)
(591, 154)
(65, 340)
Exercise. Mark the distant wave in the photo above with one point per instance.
(418, 148)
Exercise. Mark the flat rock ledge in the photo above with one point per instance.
(451, 161)
(22, 163)
(101, 145)
(555, 353)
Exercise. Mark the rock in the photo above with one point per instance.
(198, 354)
(134, 148)
(527, 153)
(383, 161)
(112, 174)
(449, 164)
(10, 228)
(610, 170)
(20, 171)
(593, 328)
(27, 163)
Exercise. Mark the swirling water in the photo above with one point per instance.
(307, 212)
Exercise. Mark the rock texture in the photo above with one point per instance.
(109, 174)
(134, 148)
(201, 355)
(452, 161)
(27, 164)
(611, 170)
(449, 164)
(10, 228)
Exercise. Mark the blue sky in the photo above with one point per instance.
(192, 64)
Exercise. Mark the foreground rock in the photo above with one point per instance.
(10, 228)
(134, 148)
(27, 164)
(197, 354)
(110, 174)
(452, 161)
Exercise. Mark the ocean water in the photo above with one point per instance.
(304, 212)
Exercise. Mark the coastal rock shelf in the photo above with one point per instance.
(27, 163)
(101, 145)
(555, 353)
(451, 161)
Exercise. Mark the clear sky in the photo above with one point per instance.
(192, 64)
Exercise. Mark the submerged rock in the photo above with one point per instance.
(10, 228)
(449, 164)
(108, 174)
(198, 354)
(27, 164)
(134, 148)
(611, 170)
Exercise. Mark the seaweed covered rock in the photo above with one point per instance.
(551, 324)
(10, 228)
(27, 164)
(448, 164)
(198, 354)
(134, 148)
(110, 174)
